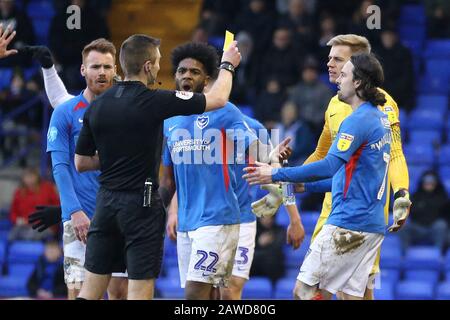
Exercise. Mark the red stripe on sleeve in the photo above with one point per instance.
(351, 166)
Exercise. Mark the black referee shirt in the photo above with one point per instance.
(125, 126)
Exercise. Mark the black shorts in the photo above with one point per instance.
(125, 235)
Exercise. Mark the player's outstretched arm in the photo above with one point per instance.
(6, 37)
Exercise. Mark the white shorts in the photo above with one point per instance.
(340, 260)
(245, 250)
(207, 254)
(74, 251)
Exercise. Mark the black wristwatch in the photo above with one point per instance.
(227, 66)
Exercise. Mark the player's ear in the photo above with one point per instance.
(206, 82)
(83, 70)
(357, 83)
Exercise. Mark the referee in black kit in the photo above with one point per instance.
(122, 136)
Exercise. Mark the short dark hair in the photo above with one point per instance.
(101, 45)
(205, 54)
(368, 69)
(134, 52)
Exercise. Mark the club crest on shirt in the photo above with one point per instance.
(202, 121)
(184, 95)
(345, 141)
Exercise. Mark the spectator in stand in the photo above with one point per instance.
(11, 15)
(299, 21)
(258, 21)
(244, 81)
(31, 193)
(93, 27)
(427, 220)
(358, 24)
(438, 16)
(291, 125)
(200, 34)
(327, 30)
(281, 60)
(269, 256)
(47, 280)
(215, 15)
(311, 96)
(398, 67)
(269, 103)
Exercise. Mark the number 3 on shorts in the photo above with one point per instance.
(204, 256)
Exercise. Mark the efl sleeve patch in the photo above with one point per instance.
(389, 111)
(345, 141)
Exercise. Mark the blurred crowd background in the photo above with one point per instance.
(282, 81)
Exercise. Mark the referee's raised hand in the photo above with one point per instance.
(80, 225)
(232, 55)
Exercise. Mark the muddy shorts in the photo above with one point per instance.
(74, 252)
(340, 260)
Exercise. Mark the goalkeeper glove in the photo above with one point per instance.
(41, 54)
(45, 217)
(268, 205)
(402, 205)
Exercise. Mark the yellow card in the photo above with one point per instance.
(229, 37)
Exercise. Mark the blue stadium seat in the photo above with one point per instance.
(430, 276)
(257, 288)
(412, 32)
(414, 290)
(283, 288)
(2, 253)
(443, 291)
(444, 155)
(389, 275)
(425, 136)
(385, 292)
(435, 102)
(434, 84)
(412, 14)
(294, 258)
(21, 269)
(415, 172)
(391, 257)
(419, 154)
(447, 261)
(437, 49)
(13, 286)
(282, 217)
(6, 75)
(444, 173)
(216, 41)
(169, 288)
(438, 67)
(25, 251)
(309, 220)
(4, 235)
(425, 119)
(5, 224)
(291, 272)
(40, 9)
(414, 45)
(423, 258)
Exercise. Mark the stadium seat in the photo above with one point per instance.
(414, 290)
(41, 13)
(385, 292)
(6, 75)
(391, 257)
(309, 220)
(169, 288)
(2, 253)
(5, 224)
(443, 291)
(412, 32)
(444, 173)
(21, 269)
(216, 41)
(447, 262)
(434, 102)
(4, 235)
(429, 276)
(389, 275)
(437, 49)
(292, 272)
(283, 288)
(412, 14)
(282, 217)
(25, 251)
(419, 154)
(425, 119)
(422, 258)
(434, 84)
(415, 172)
(294, 258)
(444, 155)
(247, 110)
(13, 286)
(415, 46)
(425, 136)
(257, 288)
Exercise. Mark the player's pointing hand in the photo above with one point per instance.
(261, 174)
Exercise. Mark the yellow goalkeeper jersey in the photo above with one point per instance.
(336, 112)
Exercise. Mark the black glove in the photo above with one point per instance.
(40, 53)
(45, 217)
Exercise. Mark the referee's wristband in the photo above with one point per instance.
(227, 66)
